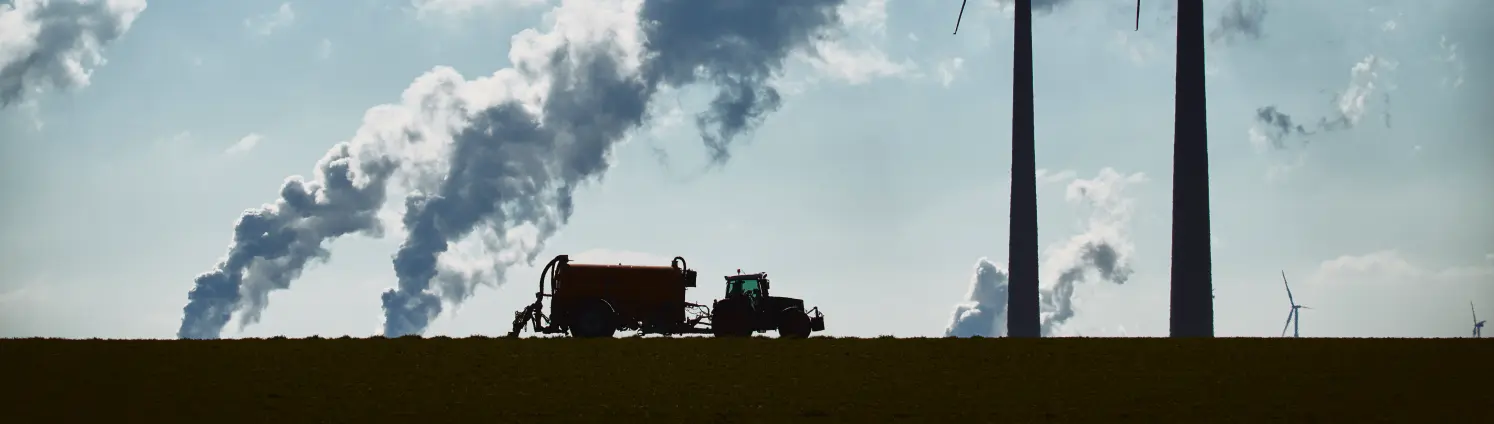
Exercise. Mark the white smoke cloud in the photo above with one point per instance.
(983, 313)
(57, 43)
(490, 164)
(1366, 78)
(1102, 252)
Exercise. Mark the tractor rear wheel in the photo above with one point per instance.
(597, 319)
(793, 323)
(731, 319)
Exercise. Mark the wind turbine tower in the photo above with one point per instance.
(1292, 317)
(1478, 326)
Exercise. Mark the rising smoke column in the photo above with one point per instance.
(57, 43)
(1101, 252)
(502, 155)
(983, 313)
(274, 243)
(511, 168)
(1273, 127)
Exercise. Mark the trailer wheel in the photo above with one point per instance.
(597, 319)
(793, 323)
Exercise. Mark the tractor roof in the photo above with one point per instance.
(757, 276)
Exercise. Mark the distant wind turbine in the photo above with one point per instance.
(1293, 316)
(1478, 326)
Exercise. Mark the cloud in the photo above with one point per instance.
(855, 57)
(1101, 252)
(1242, 19)
(489, 165)
(855, 65)
(459, 7)
(1454, 61)
(1045, 176)
(1273, 127)
(268, 23)
(867, 14)
(983, 313)
(244, 144)
(948, 69)
(57, 44)
(1391, 266)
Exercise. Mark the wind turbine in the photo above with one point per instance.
(1293, 317)
(1478, 326)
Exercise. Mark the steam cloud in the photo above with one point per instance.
(1241, 18)
(57, 43)
(1102, 252)
(499, 157)
(1274, 127)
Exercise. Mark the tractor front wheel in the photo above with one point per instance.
(793, 324)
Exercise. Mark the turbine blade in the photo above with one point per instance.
(1138, 16)
(1303, 307)
(1288, 323)
(1475, 312)
(962, 16)
(1288, 287)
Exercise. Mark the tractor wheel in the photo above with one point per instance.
(597, 319)
(731, 319)
(793, 324)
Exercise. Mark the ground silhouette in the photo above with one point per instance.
(745, 380)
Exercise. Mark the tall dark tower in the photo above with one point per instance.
(1192, 280)
(1022, 251)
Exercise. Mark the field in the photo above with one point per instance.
(747, 380)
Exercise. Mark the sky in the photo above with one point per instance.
(447, 149)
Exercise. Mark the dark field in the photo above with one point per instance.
(721, 380)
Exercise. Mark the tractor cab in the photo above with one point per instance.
(752, 286)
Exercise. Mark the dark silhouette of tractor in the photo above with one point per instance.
(748, 308)
(589, 300)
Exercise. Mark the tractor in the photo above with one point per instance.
(592, 300)
(748, 308)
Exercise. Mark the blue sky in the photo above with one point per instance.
(872, 192)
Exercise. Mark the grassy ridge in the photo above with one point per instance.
(722, 380)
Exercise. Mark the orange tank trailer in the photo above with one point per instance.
(590, 300)
(638, 295)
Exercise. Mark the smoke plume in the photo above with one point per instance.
(983, 313)
(1102, 252)
(1273, 127)
(1241, 19)
(499, 157)
(57, 43)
